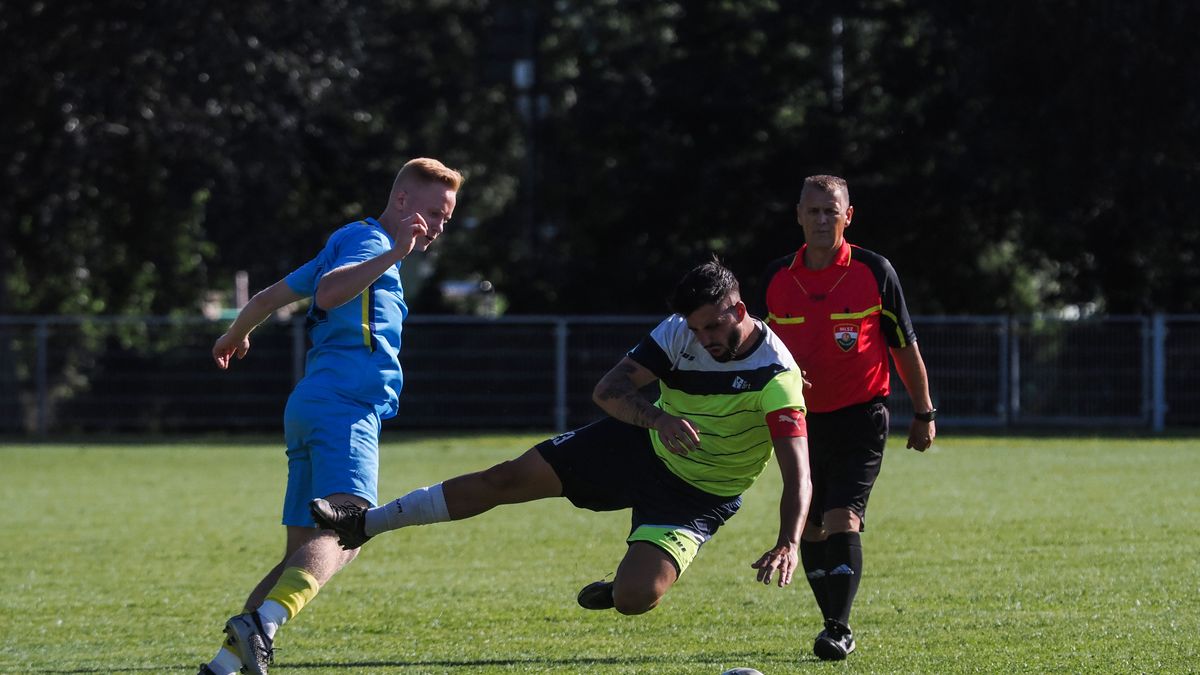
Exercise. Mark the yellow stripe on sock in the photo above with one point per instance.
(294, 590)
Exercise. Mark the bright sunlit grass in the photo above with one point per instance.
(992, 555)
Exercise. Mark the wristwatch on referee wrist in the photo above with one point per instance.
(926, 416)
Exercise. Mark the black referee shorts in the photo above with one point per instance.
(845, 452)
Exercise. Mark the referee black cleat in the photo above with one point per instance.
(597, 595)
(347, 520)
(835, 642)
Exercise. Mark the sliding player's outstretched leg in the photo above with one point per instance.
(523, 479)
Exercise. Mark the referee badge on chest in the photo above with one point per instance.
(845, 335)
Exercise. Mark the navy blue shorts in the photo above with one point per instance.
(609, 465)
(845, 452)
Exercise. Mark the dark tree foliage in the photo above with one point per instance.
(159, 146)
(1008, 157)
(1082, 132)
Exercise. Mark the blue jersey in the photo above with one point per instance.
(355, 354)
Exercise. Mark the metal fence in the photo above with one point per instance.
(71, 374)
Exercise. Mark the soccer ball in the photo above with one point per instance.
(741, 671)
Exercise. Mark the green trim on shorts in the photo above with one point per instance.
(679, 543)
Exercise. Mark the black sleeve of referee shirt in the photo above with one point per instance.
(897, 324)
(755, 296)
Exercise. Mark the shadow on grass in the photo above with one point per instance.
(628, 661)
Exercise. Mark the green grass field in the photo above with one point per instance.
(984, 555)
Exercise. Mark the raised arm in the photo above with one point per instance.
(617, 394)
(347, 282)
(236, 340)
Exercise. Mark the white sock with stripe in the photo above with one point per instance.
(225, 663)
(420, 507)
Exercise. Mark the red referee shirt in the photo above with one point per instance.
(838, 323)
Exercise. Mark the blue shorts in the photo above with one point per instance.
(331, 448)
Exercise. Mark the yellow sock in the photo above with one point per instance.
(294, 590)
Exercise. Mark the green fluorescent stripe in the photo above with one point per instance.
(678, 412)
(739, 451)
(713, 480)
(736, 433)
(899, 333)
(858, 315)
(771, 318)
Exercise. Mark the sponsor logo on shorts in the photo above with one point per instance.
(562, 438)
(675, 540)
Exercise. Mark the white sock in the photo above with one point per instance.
(419, 507)
(225, 663)
(273, 615)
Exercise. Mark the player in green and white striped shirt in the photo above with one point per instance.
(729, 395)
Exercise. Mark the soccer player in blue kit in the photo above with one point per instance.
(352, 382)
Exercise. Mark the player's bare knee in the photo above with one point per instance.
(332, 552)
(631, 600)
(838, 521)
(813, 533)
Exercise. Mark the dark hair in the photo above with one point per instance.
(705, 284)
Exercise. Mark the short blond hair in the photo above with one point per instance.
(428, 170)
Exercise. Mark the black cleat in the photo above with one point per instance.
(205, 670)
(597, 595)
(250, 643)
(347, 520)
(835, 642)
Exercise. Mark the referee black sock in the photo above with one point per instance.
(843, 562)
(812, 558)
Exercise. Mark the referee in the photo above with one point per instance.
(840, 311)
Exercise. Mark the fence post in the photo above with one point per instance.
(1158, 370)
(42, 335)
(1014, 370)
(1002, 402)
(561, 331)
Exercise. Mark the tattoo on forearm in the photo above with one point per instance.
(629, 405)
(619, 387)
